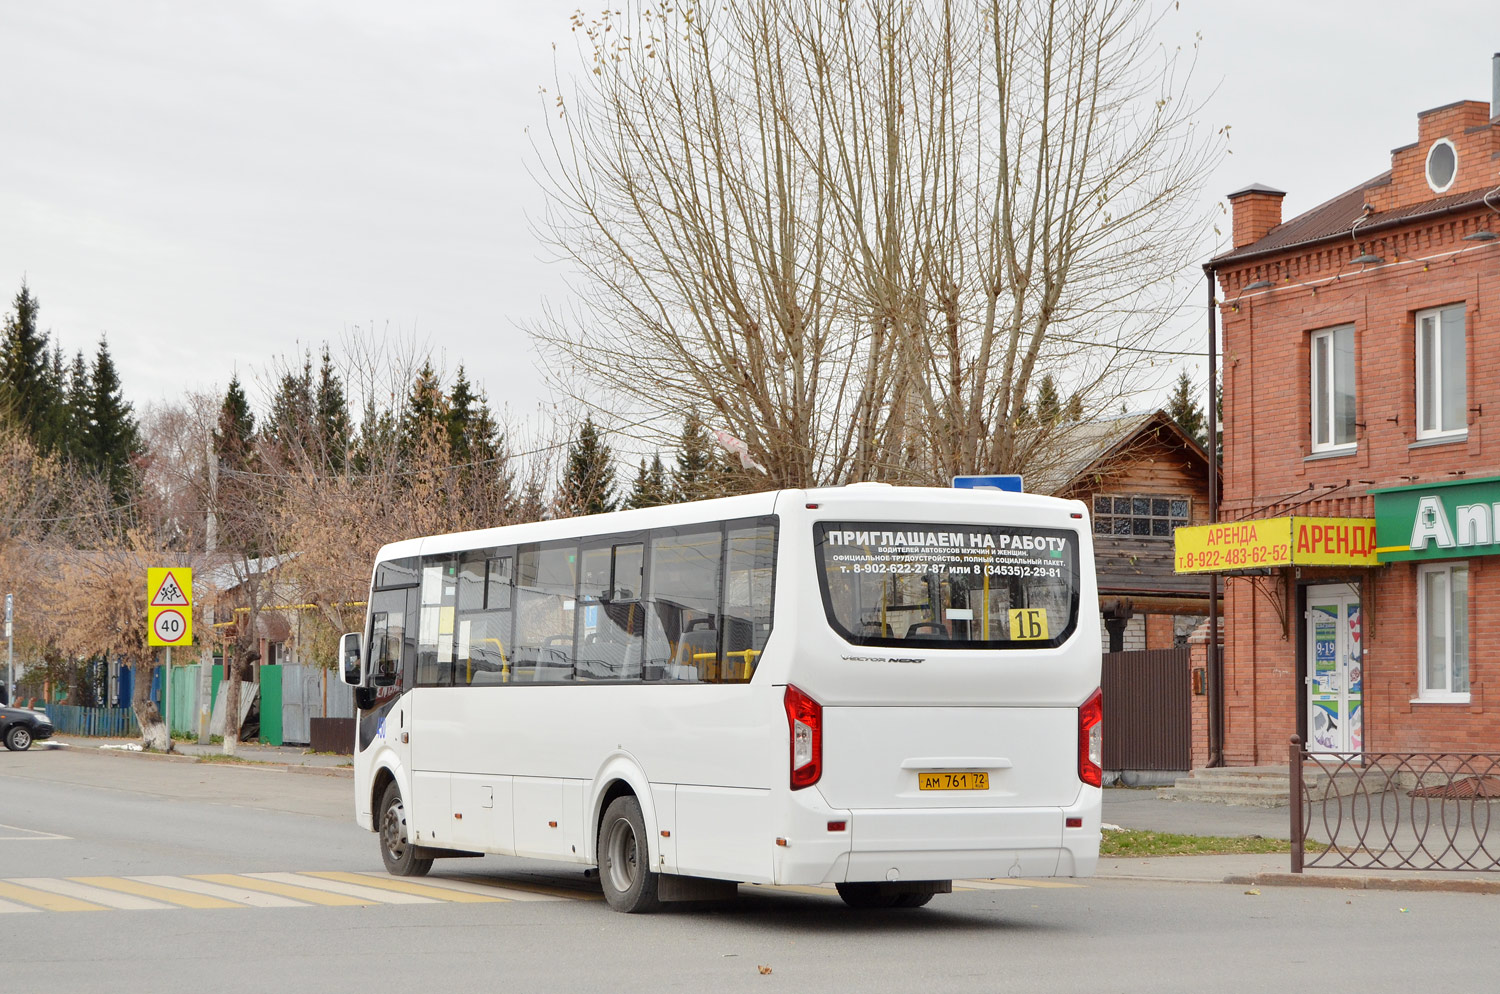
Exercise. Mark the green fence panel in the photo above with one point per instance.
(270, 705)
(185, 698)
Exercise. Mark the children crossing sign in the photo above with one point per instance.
(169, 605)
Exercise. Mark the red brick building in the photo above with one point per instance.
(1361, 369)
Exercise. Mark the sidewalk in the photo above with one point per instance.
(1142, 809)
(293, 759)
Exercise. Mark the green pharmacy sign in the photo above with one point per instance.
(1451, 520)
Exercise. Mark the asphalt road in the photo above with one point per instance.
(295, 901)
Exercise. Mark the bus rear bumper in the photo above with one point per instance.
(943, 844)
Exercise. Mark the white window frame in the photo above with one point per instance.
(1443, 694)
(1424, 429)
(1427, 167)
(1327, 400)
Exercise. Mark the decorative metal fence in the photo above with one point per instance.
(1395, 810)
(70, 719)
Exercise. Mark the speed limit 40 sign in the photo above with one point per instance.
(169, 606)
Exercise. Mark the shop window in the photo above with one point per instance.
(1443, 631)
(1333, 389)
(1139, 516)
(1441, 372)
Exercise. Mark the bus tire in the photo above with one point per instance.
(865, 896)
(625, 858)
(396, 849)
(911, 900)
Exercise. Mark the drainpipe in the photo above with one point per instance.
(1215, 662)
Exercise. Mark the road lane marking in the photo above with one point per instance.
(45, 900)
(226, 892)
(28, 835)
(9, 908)
(307, 895)
(371, 894)
(424, 889)
(171, 895)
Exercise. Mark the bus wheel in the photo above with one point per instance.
(396, 850)
(868, 896)
(625, 858)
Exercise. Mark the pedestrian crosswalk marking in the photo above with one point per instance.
(92, 895)
(306, 895)
(43, 900)
(237, 896)
(404, 887)
(357, 891)
(169, 895)
(329, 888)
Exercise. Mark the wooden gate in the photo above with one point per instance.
(1147, 720)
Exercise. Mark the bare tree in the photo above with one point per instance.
(859, 233)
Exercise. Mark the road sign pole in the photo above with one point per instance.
(166, 697)
(10, 653)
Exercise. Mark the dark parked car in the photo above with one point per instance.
(19, 727)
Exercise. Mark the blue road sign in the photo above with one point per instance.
(1010, 482)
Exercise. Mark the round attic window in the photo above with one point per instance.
(1442, 165)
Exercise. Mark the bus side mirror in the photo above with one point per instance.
(349, 662)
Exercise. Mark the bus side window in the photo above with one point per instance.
(682, 616)
(483, 636)
(748, 582)
(437, 622)
(546, 584)
(385, 649)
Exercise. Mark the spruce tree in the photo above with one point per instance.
(236, 428)
(290, 423)
(333, 427)
(76, 403)
(425, 408)
(693, 476)
(1184, 409)
(52, 433)
(24, 394)
(588, 483)
(1049, 409)
(650, 488)
(459, 418)
(114, 437)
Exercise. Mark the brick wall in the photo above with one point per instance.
(1270, 468)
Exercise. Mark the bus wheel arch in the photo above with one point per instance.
(383, 777)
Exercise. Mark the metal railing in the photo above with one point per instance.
(1394, 810)
(69, 719)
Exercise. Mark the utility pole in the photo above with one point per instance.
(210, 545)
(10, 654)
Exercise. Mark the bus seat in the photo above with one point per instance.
(928, 629)
(697, 653)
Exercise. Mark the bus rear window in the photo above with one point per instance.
(947, 585)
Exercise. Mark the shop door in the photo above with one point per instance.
(1335, 673)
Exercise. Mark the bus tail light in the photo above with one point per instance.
(1091, 740)
(804, 718)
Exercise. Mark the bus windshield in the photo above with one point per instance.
(947, 585)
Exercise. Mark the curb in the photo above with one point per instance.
(343, 772)
(1459, 885)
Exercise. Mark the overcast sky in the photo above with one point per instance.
(212, 184)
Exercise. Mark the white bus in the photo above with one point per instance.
(884, 688)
